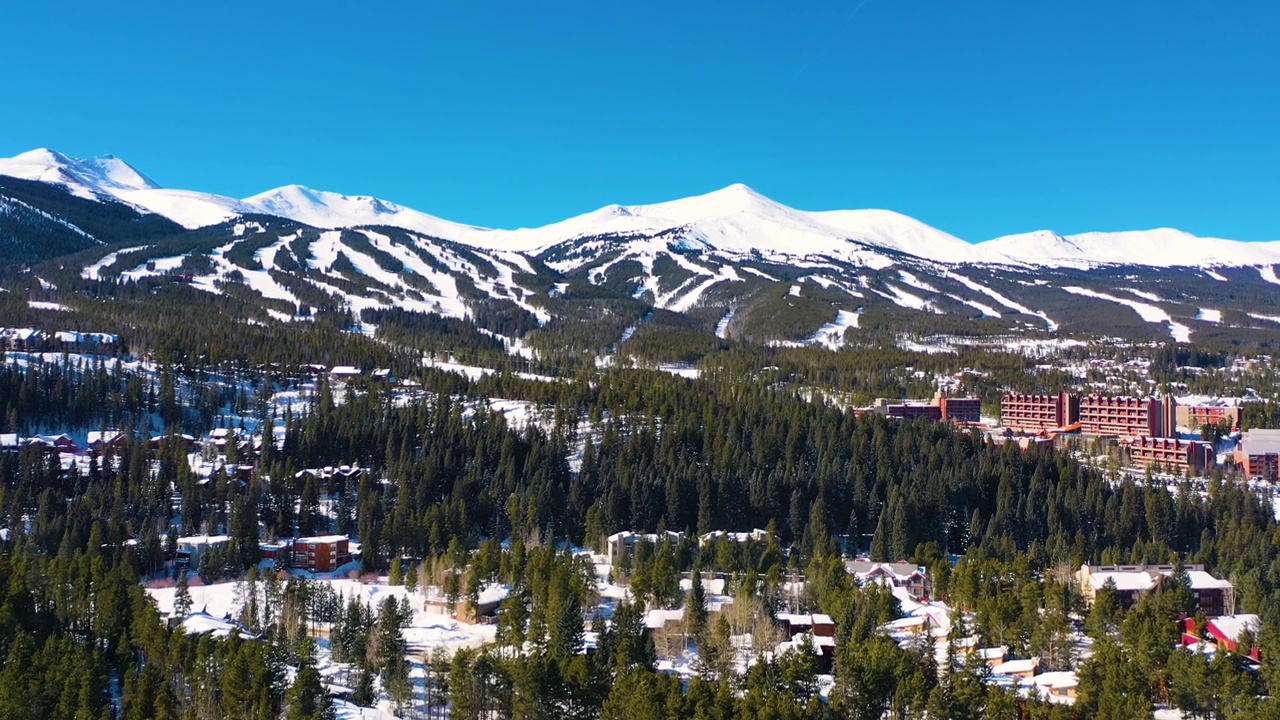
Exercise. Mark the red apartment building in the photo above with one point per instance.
(1171, 453)
(1127, 416)
(321, 554)
(960, 409)
(1033, 413)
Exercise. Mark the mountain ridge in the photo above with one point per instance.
(734, 219)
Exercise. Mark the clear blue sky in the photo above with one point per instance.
(979, 117)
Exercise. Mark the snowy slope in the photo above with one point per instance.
(1162, 247)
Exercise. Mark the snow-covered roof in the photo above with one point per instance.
(1012, 667)
(193, 540)
(1201, 580)
(1139, 580)
(320, 539)
(658, 619)
(1231, 626)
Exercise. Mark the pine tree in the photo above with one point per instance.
(306, 698)
(182, 597)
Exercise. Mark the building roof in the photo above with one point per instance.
(320, 539)
(203, 540)
(1011, 667)
(1201, 580)
(1230, 626)
(1260, 442)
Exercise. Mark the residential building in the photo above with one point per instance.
(1215, 411)
(323, 553)
(1258, 454)
(1034, 413)
(621, 544)
(1125, 416)
(1170, 453)
(906, 410)
(959, 409)
(1214, 596)
(1225, 631)
(192, 548)
(908, 576)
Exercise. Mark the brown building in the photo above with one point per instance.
(1194, 417)
(1214, 596)
(1258, 454)
(321, 554)
(1033, 413)
(1170, 453)
(1126, 416)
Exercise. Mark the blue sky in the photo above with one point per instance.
(980, 117)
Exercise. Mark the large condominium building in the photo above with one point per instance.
(1213, 412)
(1258, 454)
(1127, 416)
(1170, 453)
(959, 409)
(1033, 413)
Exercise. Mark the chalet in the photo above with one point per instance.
(21, 339)
(1224, 631)
(1056, 687)
(891, 575)
(10, 442)
(1023, 669)
(101, 441)
(344, 373)
(324, 553)
(818, 625)
(186, 440)
(54, 443)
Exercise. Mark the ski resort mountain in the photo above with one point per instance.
(729, 265)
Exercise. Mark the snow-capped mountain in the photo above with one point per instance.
(1161, 247)
(734, 220)
(730, 264)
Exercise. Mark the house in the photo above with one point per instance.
(324, 553)
(186, 440)
(818, 625)
(1224, 631)
(344, 373)
(191, 549)
(621, 544)
(54, 443)
(484, 612)
(1214, 596)
(10, 442)
(105, 440)
(1023, 669)
(21, 339)
(890, 574)
(660, 619)
(993, 656)
(1056, 687)
(714, 535)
